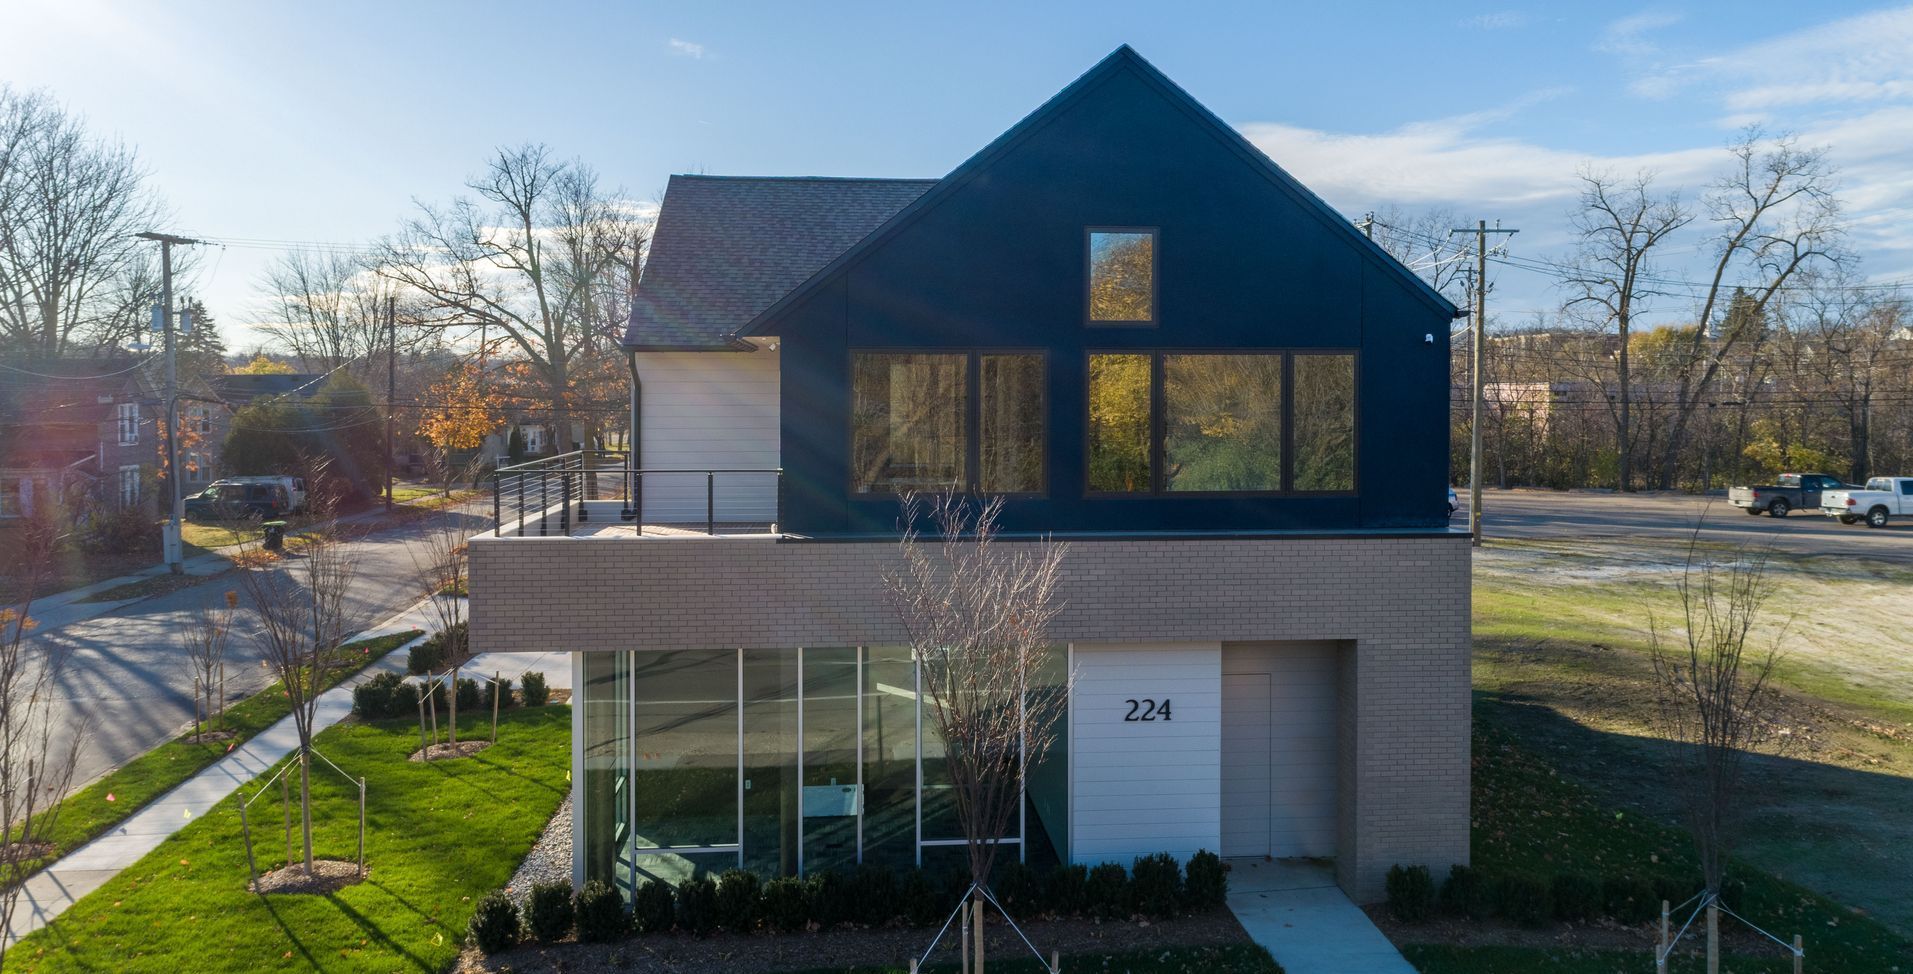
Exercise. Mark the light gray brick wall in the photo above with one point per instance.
(1400, 603)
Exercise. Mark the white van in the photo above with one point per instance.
(295, 487)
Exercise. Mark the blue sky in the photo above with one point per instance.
(324, 121)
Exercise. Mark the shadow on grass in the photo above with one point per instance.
(1839, 831)
(377, 934)
(286, 928)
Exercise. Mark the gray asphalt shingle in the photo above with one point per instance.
(727, 247)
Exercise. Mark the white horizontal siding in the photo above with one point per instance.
(709, 411)
(1140, 787)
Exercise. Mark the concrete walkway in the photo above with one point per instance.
(49, 892)
(1296, 912)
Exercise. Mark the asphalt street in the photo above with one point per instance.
(125, 685)
(1562, 515)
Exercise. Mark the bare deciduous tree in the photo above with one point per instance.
(1620, 224)
(327, 310)
(37, 758)
(203, 640)
(1714, 702)
(439, 564)
(69, 206)
(300, 603)
(977, 613)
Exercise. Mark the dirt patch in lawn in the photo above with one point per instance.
(837, 949)
(19, 851)
(328, 875)
(442, 752)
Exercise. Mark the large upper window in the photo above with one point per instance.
(1324, 423)
(1010, 423)
(1222, 422)
(909, 421)
(1120, 388)
(1122, 277)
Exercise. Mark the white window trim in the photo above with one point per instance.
(129, 498)
(129, 420)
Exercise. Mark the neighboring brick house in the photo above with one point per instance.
(74, 428)
(1147, 339)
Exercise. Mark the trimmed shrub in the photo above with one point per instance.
(1411, 893)
(600, 913)
(1155, 885)
(1107, 890)
(1019, 889)
(1068, 890)
(1205, 884)
(426, 656)
(502, 689)
(1462, 894)
(832, 899)
(1520, 897)
(697, 905)
(1629, 899)
(1576, 897)
(737, 895)
(873, 895)
(384, 697)
(548, 911)
(535, 692)
(468, 696)
(787, 903)
(653, 908)
(118, 531)
(494, 925)
(922, 899)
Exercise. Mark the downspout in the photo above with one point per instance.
(633, 443)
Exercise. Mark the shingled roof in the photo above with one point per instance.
(727, 247)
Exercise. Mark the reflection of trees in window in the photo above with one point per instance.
(1324, 422)
(1122, 276)
(1119, 423)
(908, 425)
(1010, 448)
(1222, 422)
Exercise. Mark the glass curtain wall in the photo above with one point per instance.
(783, 762)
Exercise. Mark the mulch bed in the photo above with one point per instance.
(210, 737)
(1594, 935)
(762, 953)
(328, 875)
(442, 752)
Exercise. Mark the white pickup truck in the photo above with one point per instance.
(1882, 499)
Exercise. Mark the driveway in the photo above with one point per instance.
(125, 680)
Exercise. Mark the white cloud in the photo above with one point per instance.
(1855, 60)
(1499, 20)
(687, 48)
(1628, 36)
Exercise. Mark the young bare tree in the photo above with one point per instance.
(1620, 224)
(439, 565)
(203, 641)
(977, 611)
(37, 757)
(300, 604)
(1715, 704)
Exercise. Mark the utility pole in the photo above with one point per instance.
(1478, 333)
(170, 544)
(391, 388)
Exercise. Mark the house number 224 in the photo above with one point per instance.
(1148, 710)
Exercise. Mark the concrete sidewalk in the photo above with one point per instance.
(49, 892)
(1296, 912)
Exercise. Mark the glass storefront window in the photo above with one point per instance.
(684, 765)
(606, 788)
(890, 756)
(833, 795)
(770, 762)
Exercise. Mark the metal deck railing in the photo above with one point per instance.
(561, 495)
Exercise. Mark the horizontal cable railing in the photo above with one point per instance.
(551, 496)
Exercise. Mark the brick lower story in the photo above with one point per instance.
(1397, 605)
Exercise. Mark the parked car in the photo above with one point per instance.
(1791, 492)
(1882, 499)
(1453, 504)
(228, 500)
(295, 487)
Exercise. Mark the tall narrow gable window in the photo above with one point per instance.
(1324, 423)
(1122, 276)
(129, 423)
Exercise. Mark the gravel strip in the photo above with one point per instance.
(549, 860)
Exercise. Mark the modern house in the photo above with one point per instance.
(1151, 342)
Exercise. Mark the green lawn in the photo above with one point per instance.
(439, 836)
(1529, 818)
(1218, 959)
(87, 813)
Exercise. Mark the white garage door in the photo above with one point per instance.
(1278, 756)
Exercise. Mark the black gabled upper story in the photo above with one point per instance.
(1124, 318)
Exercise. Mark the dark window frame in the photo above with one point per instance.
(973, 417)
(1155, 276)
(1157, 428)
